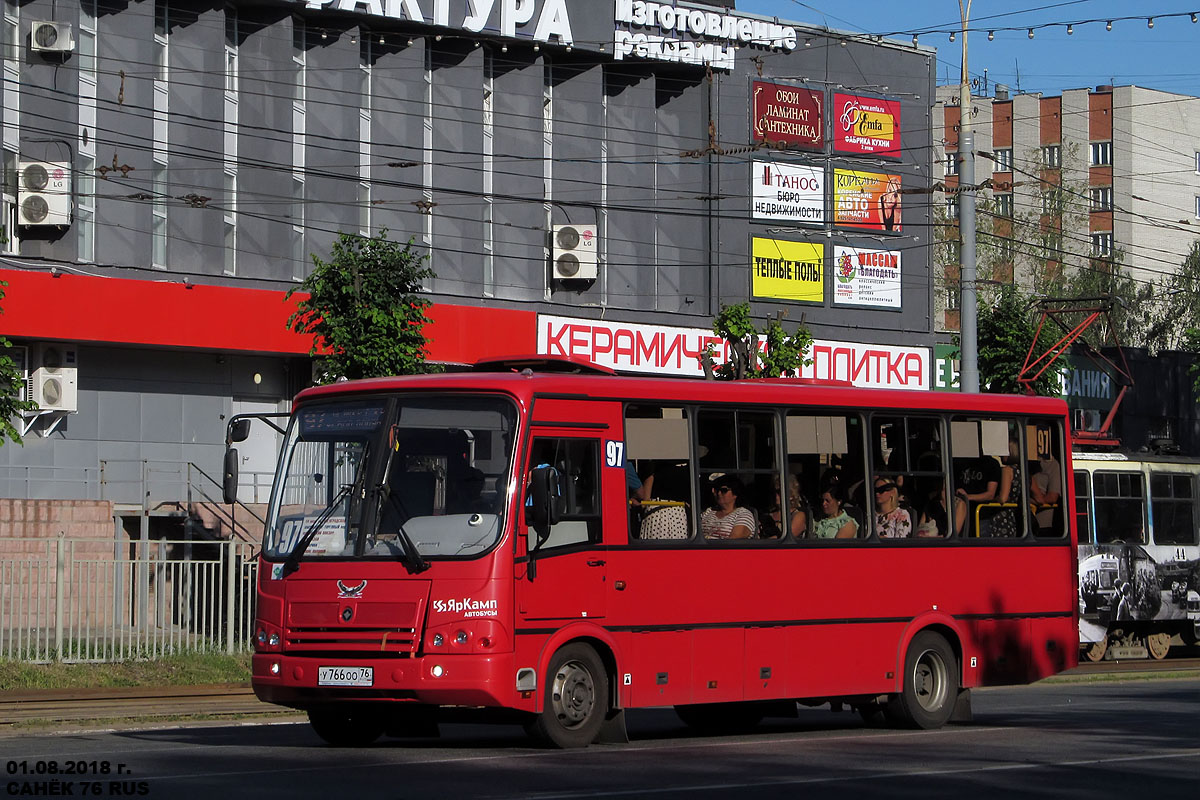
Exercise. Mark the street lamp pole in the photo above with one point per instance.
(968, 375)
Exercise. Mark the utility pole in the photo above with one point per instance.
(968, 370)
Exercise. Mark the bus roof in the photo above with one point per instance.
(528, 383)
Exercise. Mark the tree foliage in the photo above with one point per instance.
(364, 309)
(10, 389)
(785, 353)
(1005, 332)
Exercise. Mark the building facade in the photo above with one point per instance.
(1127, 157)
(586, 178)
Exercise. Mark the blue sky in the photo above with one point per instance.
(1164, 57)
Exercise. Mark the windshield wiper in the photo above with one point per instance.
(292, 562)
(412, 556)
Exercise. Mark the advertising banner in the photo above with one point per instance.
(869, 200)
(866, 277)
(866, 126)
(791, 192)
(787, 270)
(787, 115)
(664, 350)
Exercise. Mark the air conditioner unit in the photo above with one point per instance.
(51, 37)
(574, 252)
(53, 382)
(43, 193)
(1087, 419)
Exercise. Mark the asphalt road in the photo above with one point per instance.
(1086, 740)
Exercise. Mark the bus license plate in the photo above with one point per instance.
(345, 676)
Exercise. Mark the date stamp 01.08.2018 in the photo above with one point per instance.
(71, 778)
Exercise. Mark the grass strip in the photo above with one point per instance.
(190, 669)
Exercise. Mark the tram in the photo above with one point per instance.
(1138, 522)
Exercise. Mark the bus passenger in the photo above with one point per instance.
(977, 481)
(1045, 488)
(836, 524)
(797, 510)
(934, 519)
(891, 521)
(729, 519)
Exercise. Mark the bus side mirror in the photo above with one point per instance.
(239, 431)
(544, 508)
(229, 483)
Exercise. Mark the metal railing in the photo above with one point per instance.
(94, 600)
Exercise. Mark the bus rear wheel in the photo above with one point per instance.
(930, 687)
(346, 727)
(576, 698)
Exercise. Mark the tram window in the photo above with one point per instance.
(658, 444)
(1173, 506)
(1120, 502)
(1083, 516)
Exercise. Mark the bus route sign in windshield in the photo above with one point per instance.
(347, 418)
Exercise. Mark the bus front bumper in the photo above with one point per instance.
(470, 680)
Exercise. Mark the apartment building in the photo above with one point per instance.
(1128, 158)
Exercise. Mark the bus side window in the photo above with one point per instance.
(658, 445)
(577, 462)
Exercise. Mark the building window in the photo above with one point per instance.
(952, 209)
(1052, 156)
(158, 177)
(229, 239)
(1198, 208)
(951, 163)
(1004, 160)
(1102, 198)
(953, 296)
(300, 260)
(364, 134)
(1198, 163)
(1004, 205)
(1102, 244)
(11, 128)
(85, 145)
(1101, 154)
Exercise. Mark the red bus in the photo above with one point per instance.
(557, 548)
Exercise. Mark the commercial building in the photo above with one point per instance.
(592, 178)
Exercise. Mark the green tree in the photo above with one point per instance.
(1005, 331)
(10, 389)
(1180, 323)
(364, 310)
(785, 353)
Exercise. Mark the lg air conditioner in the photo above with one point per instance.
(54, 380)
(43, 193)
(51, 37)
(574, 252)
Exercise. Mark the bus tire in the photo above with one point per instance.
(926, 699)
(575, 698)
(343, 726)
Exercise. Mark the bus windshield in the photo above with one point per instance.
(403, 478)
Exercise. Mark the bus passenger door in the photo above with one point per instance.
(564, 576)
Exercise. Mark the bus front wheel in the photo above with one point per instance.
(346, 727)
(930, 687)
(576, 698)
